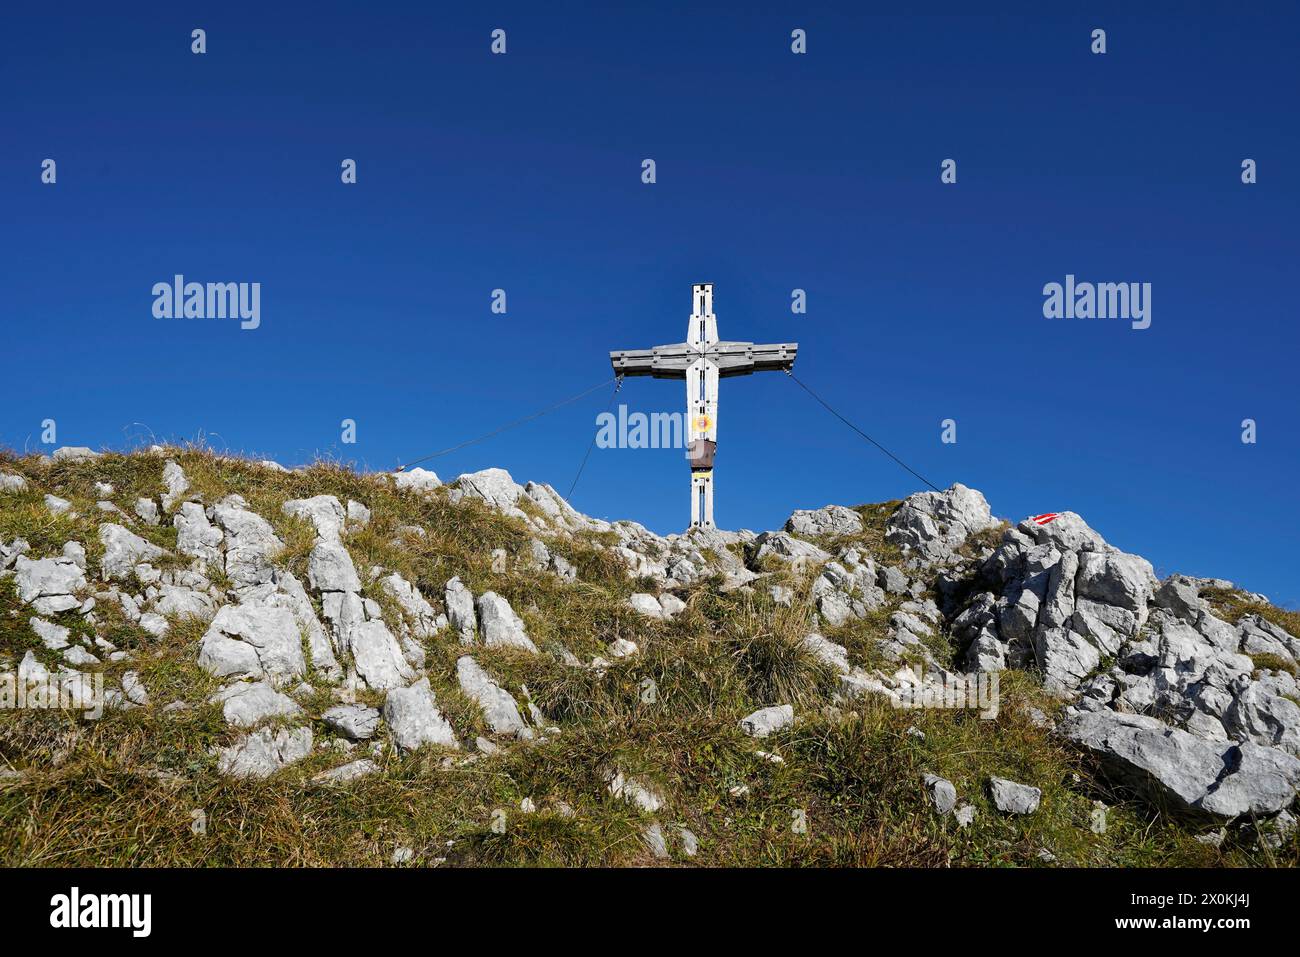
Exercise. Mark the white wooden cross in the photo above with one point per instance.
(701, 360)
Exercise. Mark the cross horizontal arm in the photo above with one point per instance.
(743, 358)
(731, 358)
(662, 362)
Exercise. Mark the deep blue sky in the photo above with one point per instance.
(775, 171)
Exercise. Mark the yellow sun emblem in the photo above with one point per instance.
(702, 423)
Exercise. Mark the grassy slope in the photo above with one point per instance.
(123, 790)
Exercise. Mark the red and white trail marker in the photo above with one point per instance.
(1044, 518)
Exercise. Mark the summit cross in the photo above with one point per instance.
(701, 360)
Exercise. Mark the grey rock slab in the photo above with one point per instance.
(253, 641)
(196, 536)
(134, 689)
(1068, 532)
(767, 721)
(183, 602)
(420, 617)
(175, 485)
(460, 610)
(1180, 595)
(834, 656)
(635, 792)
(330, 568)
(378, 656)
(354, 721)
(892, 580)
(671, 605)
(787, 548)
(74, 453)
(54, 637)
(931, 525)
(493, 486)
(1115, 579)
(500, 710)
(264, 752)
(47, 578)
(1066, 657)
(690, 843)
(416, 480)
(325, 513)
(500, 626)
(250, 542)
(653, 836)
(828, 520)
(1012, 798)
(245, 704)
(155, 624)
(414, 719)
(646, 604)
(941, 793)
(146, 509)
(1264, 718)
(1178, 770)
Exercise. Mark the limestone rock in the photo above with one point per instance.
(500, 710)
(766, 721)
(414, 719)
(245, 704)
(254, 642)
(931, 525)
(49, 584)
(175, 484)
(196, 536)
(1012, 798)
(354, 721)
(460, 610)
(74, 453)
(146, 509)
(654, 840)
(265, 751)
(493, 486)
(416, 480)
(829, 520)
(358, 514)
(835, 657)
(418, 615)
(1176, 769)
(501, 627)
(634, 791)
(787, 548)
(330, 568)
(941, 793)
(250, 543)
(54, 637)
(123, 550)
(324, 512)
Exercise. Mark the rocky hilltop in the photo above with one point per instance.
(316, 666)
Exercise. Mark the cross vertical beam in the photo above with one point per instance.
(701, 360)
(702, 404)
